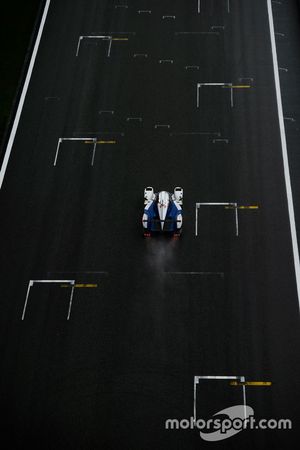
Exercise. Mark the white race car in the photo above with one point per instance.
(162, 212)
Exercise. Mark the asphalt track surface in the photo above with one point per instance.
(160, 312)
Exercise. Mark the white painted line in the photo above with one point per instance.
(109, 47)
(106, 112)
(242, 379)
(103, 37)
(225, 141)
(214, 84)
(145, 55)
(199, 85)
(196, 220)
(215, 204)
(52, 281)
(60, 140)
(199, 6)
(192, 67)
(71, 301)
(23, 95)
(134, 118)
(234, 205)
(284, 152)
(57, 150)
(236, 220)
(94, 151)
(32, 282)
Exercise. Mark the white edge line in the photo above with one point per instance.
(284, 152)
(23, 95)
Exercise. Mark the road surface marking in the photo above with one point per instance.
(144, 55)
(61, 140)
(287, 176)
(100, 142)
(240, 379)
(251, 207)
(222, 85)
(251, 383)
(237, 87)
(82, 285)
(23, 95)
(225, 141)
(231, 205)
(32, 282)
(102, 37)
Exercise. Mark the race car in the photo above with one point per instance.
(162, 212)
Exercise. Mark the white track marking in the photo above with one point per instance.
(197, 379)
(23, 95)
(71, 301)
(31, 283)
(284, 151)
(105, 38)
(235, 205)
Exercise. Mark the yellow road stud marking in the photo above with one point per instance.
(251, 383)
(238, 87)
(100, 142)
(82, 285)
(243, 207)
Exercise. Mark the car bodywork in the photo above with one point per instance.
(162, 212)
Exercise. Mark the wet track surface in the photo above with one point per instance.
(104, 355)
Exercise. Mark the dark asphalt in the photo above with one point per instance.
(126, 360)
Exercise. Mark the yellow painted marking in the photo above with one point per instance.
(251, 383)
(238, 87)
(120, 39)
(79, 285)
(242, 207)
(100, 142)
